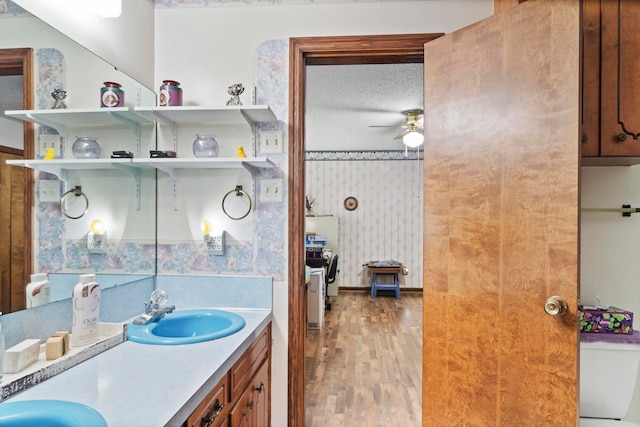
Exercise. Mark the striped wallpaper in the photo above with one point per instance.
(388, 221)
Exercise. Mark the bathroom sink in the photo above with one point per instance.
(187, 327)
(49, 413)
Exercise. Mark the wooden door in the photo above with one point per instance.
(501, 219)
(16, 194)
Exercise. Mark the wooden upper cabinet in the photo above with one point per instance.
(610, 79)
(590, 125)
(620, 79)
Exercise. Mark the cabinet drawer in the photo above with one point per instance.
(214, 407)
(249, 363)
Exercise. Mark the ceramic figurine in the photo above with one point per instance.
(235, 91)
(58, 96)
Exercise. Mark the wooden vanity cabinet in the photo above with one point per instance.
(243, 396)
(250, 380)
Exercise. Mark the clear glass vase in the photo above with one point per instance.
(205, 146)
(86, 147)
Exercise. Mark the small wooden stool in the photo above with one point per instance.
(389, 270)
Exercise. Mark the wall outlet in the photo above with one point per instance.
(271, 190)
(215, 244)
(271, 141)
(49, 191)
(52, 141)
(97, 243)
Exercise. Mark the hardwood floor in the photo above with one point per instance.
(364, 367)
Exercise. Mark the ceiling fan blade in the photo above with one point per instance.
(402, 134)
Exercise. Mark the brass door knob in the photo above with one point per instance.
(556, 306)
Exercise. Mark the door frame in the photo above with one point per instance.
(303, 51)
(19, 61)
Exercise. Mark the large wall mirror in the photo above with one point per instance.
(123, 199)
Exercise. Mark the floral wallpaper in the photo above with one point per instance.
(7, 7)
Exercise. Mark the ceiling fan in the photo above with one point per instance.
(413, 128)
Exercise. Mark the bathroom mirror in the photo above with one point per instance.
(123, 199)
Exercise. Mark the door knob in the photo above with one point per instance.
(556, 306)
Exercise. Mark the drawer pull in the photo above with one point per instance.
(213, 413)
(250, 405)
(260, 389)
(622, 137)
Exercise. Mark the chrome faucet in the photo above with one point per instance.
(154, 309)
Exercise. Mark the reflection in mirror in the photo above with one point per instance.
(122, 198)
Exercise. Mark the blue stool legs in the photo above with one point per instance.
(384, 286)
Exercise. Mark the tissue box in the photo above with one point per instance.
(611, 321)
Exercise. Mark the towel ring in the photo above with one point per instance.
(77, 191)
(238, 192)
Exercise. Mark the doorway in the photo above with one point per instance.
(321, 51)
(16, 188)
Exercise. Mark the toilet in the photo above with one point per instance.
(608, 376)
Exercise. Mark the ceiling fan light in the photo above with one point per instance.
(413, 139)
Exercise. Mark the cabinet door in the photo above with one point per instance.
(590, 132)
(242, 413)
(261, 385)
(620, 82)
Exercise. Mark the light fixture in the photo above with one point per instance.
(97, 237)
(215, 243)
(413, 138)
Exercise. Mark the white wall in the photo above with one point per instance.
(125, 42)
(609, 247)
(208, 49)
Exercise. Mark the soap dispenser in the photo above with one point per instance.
(85, 328)
(38, 290)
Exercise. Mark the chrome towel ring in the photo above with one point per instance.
(76, 191)
(239, 192)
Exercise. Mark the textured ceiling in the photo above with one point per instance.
(342, 101)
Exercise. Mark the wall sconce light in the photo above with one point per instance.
(413, 139)
(97, 237)
(215, 243)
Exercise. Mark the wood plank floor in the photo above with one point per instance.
(364, 367)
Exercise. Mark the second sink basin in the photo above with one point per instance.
(187, 327)
(49, 413)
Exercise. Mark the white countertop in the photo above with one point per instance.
(151, 385)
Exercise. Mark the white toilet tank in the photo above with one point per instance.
(608, 374)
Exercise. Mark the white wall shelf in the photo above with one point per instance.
(82, 117)
(61, 119)
(59, 167)
(250, 114)
(171, 165)
(191, 115)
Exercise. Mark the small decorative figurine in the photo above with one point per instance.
(235, 91)
(58, 99)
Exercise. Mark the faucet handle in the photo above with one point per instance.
(159, 297)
